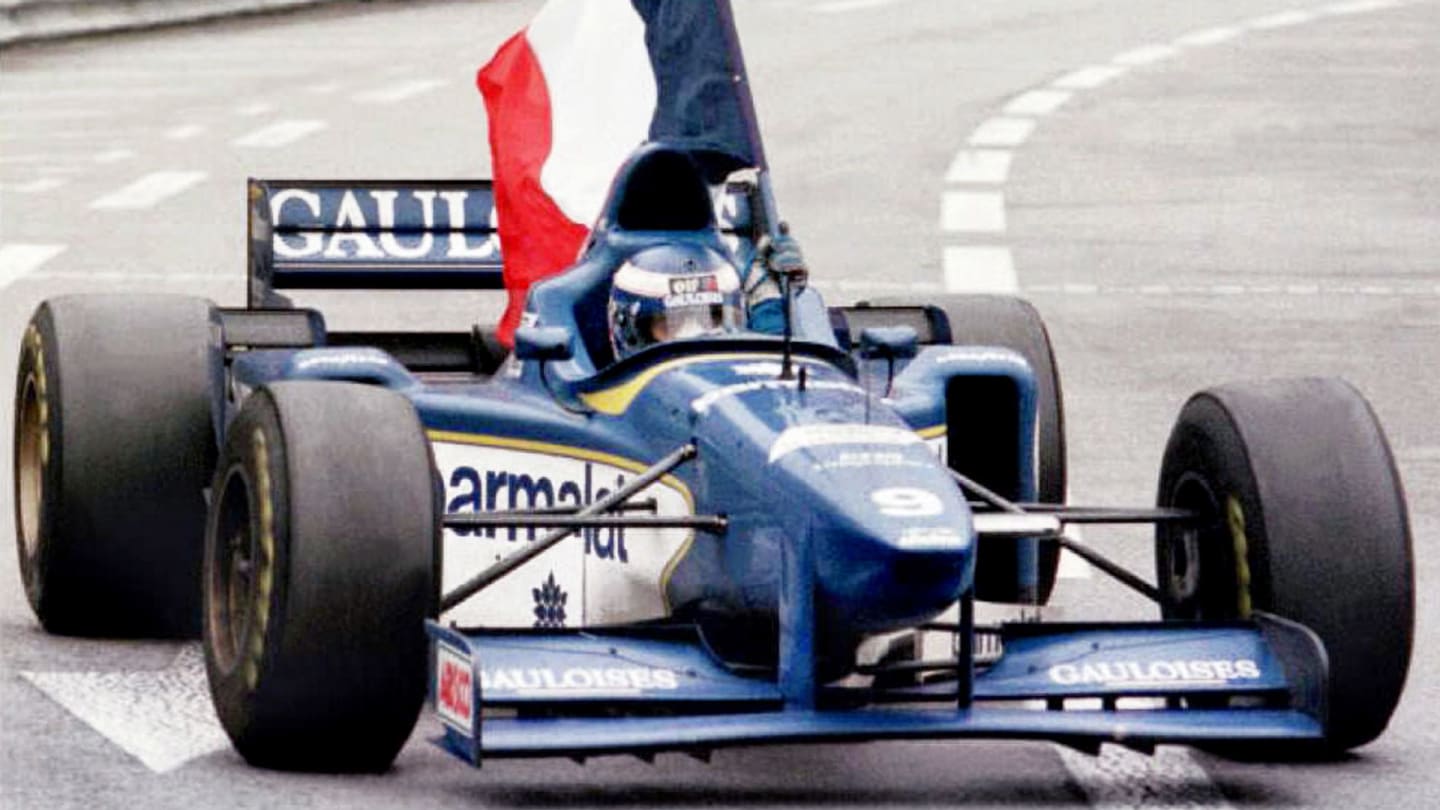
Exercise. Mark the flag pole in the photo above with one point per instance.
(752, 121)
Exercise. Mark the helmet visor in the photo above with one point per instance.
(678, 323)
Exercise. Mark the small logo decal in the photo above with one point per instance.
(549, 604)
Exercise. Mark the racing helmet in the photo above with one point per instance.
(672, 292)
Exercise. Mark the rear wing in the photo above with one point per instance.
(355, 234)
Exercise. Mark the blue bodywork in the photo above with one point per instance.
(841, 523)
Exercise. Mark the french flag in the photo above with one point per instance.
(575, 92)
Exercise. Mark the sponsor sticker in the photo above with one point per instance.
(803, 437)
(454, 689)
(575, 681)
(1192, 672)
(929, 537)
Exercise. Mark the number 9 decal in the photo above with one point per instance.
(906, 502)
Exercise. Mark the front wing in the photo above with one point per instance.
(643, 691)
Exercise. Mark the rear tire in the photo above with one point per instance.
(319, 575)
(114, 445)
(1308, 521)
(1014, 324)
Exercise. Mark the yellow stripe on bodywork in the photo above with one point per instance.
(931, 432)
(570, 451)
(615, 400)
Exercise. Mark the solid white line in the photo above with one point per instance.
(1037, 102)
(391, 94)
(980, 166)
(979, 268)
(148, 190)
(1206, 37)
(972, 212)
(279, 134)
(1089, 78)
(841, 6)
(19, 259)
(1001, 131)
(1145, 55)
(184, 132)
(1284, 19)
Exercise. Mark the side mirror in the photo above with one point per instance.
(889, 342)
(542, 343)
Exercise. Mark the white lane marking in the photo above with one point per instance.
(1145, 55)
(1002, 131)
(980, 166)
(1089, 78)
(164, 718)
(1283, 19)
(254, 108)
(1206, 37)
(37, 186)
(114, 155)
(980, 268)
(400, 91)
(1358, 7)
(1037, 102)
(1119, 777)
(184, 132)
(841, 6)
(279, 134)
(114, 276)
(18, 260)
(148, 190)
(972, 212)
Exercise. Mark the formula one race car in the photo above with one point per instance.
(683, 548)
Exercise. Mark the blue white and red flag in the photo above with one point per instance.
(576, 91)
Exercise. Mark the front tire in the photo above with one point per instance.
(1306, 520)
(319, 575)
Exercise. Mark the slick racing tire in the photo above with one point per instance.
(1305, 519)
(114, 446)
(1013, 323)
(319, 575)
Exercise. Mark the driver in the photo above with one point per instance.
(673, 292)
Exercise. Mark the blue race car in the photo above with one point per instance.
(628, 539)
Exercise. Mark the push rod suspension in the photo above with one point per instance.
(497, 571)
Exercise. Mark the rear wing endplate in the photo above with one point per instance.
(352, 234)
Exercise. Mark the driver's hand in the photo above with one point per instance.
(782, 257)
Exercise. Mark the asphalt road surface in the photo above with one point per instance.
(1190, 192)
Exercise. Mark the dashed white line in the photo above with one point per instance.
(254, 108)
(973, 212)
(1089, 78)
(841, 6)
(1358, 7)
(1037, 102)
(114, 155)
(17, 260)
(400, 91)
(980, 268)
(184, 132)
(39, 186)
(1208, 36)
(1145, 55)
(148, 190)
(1284, 19)
(279, 134)
(980, 166)
(1119, 777)
(1002, 131)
